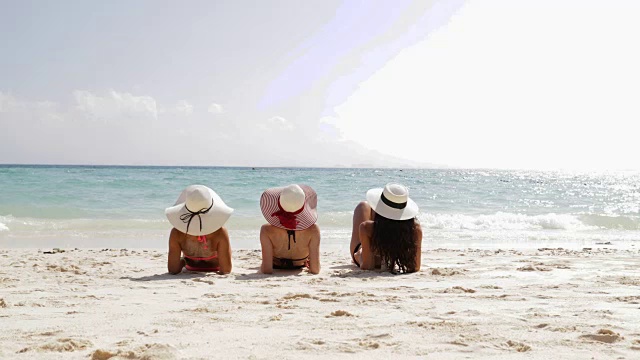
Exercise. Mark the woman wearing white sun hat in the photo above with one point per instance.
(291, 215)
(198, 217)
(386, 231)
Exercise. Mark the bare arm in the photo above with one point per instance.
(418, 237)
(174, 262)
(267, 250)
(368, 257)
(314, 250)
(224, 252)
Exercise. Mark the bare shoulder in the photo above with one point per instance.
(221, 233)
(267, 229)
(175, 235)
(366, 227)
(174, 232)
(313, 229)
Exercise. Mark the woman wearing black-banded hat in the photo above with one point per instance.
(386, 231)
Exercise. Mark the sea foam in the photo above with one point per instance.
(503, 221)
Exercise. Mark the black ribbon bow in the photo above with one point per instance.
(186, 218)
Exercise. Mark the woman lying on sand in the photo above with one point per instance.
(198, 217)
(291, 215)
(386, 231)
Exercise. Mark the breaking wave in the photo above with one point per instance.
(504, 221)
(499, 221)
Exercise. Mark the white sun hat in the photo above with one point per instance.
(198, 211)
(392, 202)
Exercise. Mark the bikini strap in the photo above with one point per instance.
(196, 258)
(288, 263)
(203, 239)
(283, 259)
(290, 234)
(355, 251)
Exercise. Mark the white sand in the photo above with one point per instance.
(463, 304)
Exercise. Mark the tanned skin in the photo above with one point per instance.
(275, 242)
(362, 232)
(217, 241)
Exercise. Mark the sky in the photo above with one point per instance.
(540, 84)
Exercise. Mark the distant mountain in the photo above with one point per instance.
(344, 154)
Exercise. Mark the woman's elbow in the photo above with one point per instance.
(224, 270)
(315, 270)
(366, 267)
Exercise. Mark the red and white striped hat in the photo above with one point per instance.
(290, 207)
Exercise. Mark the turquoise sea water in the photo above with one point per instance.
(89, 206)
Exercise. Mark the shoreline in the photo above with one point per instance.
(548, 303)
(338, 239)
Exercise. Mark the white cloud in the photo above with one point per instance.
(46, 132)
(184, 108)
(114, 104)
(8, 103)
(279, 123)
(111, 128)
(38, 110)
(215, 108)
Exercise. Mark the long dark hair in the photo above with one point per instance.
(394, 241)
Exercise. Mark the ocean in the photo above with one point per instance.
(118, 206)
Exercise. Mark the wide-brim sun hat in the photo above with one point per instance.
(198, 211)
(292, 207)
(392, 202)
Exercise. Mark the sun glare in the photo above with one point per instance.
(533, 85)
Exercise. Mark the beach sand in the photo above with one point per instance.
(497, 304)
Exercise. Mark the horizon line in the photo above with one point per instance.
(443, 167)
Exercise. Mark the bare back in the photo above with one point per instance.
(214, 252)
(277, 243)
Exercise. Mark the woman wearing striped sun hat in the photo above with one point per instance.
(291, 239)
